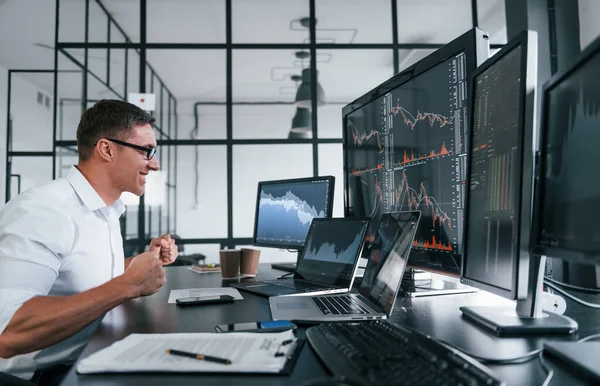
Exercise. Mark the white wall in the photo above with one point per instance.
(589, 27)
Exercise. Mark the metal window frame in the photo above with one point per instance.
(229, 142)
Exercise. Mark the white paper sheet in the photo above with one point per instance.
(248, 352)
(193, 292)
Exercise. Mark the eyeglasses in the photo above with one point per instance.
(150, 151)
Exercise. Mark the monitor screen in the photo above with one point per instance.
(406, 151)
(569, 195)
(388, 258)
(496, 165)
(286, 208)
(332, 250)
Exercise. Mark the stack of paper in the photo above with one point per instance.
(248, 352)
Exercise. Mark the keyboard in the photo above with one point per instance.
(339, 305)
(379, 353)
(291, 283)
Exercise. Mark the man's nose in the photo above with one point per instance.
(153, 164)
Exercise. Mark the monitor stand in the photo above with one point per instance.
(417, 283)
(528, 317)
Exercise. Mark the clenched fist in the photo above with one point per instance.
(145, 273)
(166, 247)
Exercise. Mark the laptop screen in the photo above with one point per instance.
(331, 250)
(388, 258)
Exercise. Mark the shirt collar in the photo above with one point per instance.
(88, 195)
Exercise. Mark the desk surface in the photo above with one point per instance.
(438, 316)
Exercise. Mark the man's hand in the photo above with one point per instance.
(167, 248)
(145, 273)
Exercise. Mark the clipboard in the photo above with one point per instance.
(292, 357)
(249, 353)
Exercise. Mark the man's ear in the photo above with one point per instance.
(105, 150)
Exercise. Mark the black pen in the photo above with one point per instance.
(198, 356)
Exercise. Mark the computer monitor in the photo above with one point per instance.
(568, 192)
(500, 187)
(405, 146)
(567, 200)
(286, 208)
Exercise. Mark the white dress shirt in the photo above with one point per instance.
(57, 239)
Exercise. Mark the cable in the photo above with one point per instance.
(572, 287)
(574, 298)
(588, 338)
(546, 368)
(498, 361)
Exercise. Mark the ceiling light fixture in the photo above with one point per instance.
(302, 121)
(304, 94)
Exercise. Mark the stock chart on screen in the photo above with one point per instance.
(339, 245)
(406, 151)
(286, 210)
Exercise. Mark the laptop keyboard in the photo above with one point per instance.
(339, 305)
(290, 283)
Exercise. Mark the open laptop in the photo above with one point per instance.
(380, 285)
(327, 263)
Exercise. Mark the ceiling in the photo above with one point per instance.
(27, 38)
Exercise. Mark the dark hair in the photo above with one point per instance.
(108, 118)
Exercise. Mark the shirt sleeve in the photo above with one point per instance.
(34, 237)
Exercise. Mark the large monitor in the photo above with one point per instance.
(567, 188)
(405, 146)
(286, 208)
(500, 184)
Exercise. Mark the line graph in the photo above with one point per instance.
(414, 200)
(359, 138)
(356, 171)
(411, 121)
(378, 190)
(405, 151)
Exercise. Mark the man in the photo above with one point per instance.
(61, 252)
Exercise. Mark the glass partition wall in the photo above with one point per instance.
(246, 90)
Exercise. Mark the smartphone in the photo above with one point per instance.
(196, 301)
(269, 326)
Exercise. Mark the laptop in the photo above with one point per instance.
(327, 263)
(380, 285)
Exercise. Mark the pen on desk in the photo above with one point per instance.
(198, 356)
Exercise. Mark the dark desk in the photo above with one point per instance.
(438, 316)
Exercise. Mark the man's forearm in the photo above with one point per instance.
(46, 320)
(127, 261)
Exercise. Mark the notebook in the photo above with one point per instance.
(380, 285)
(327, 263)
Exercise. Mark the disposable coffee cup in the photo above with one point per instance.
(249, 262)
(230, 263)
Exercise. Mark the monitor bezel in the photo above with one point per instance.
(527, 41)
(330, 179)
(475, 44)
(587, 54)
